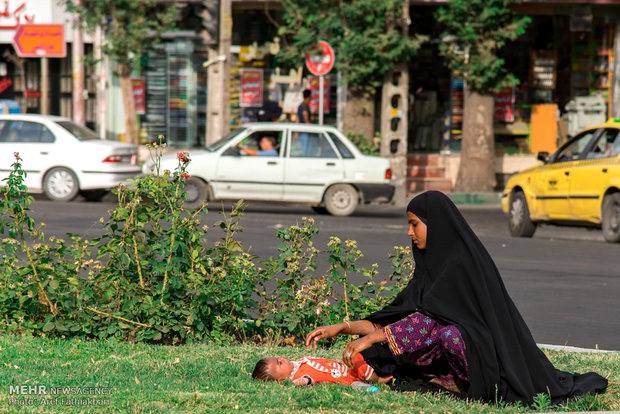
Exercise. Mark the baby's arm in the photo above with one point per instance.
(303, 380)
(374, 378)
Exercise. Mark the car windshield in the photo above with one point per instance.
(220, 143)
(78, 131)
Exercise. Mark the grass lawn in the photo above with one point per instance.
(206, 378)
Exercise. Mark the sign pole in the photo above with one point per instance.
(321, 100)
(45, 108)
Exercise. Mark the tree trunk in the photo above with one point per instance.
(477, 168)
(359, 115)
(131, 124)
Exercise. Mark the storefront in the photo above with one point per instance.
(20, 78)
(260, 89)
(563, 61)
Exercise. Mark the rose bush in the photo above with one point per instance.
(152, 276)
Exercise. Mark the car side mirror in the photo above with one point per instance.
(543, 156)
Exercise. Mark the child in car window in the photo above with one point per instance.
(266, 146)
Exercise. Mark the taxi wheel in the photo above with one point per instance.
(341, 200)
(520, 223)
(60, 184)
(196, 193)
(611, 218)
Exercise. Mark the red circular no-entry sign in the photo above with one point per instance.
(321, 60)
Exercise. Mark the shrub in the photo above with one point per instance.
(152, 277)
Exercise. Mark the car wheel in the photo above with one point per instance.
(93, 195)
(196, 193)
(341, 200)
(520, 223)
(319, 209)
(610, 222)
(60, 184)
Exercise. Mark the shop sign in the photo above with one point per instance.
(321, 60)
(31, 93)
(543, 70)
(138, 86)
(251, 83)
(314, 97)
(505, 105)
(5, 83)
(40, 40)
(12, 14)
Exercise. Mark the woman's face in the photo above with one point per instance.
(416, 230)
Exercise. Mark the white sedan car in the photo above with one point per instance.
(62, 158)
(291, 163)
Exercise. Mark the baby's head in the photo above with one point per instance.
(272, 369)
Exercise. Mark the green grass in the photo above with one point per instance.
(207, 378)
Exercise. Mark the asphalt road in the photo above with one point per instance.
(565, 281)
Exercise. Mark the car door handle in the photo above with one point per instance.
(567, 173)
(604, 170)
(44, 152)
(553, 182)
(330, 164)
(272, 162)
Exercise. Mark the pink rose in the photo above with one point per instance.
(183, 156)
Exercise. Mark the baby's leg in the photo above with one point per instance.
(374, 378)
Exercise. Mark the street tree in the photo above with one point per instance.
(367, 38)
(130, 27)
(475, 31)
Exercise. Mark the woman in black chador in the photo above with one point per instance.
(454, 326)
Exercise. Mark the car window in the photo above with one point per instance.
(342, 148)
(311, 145)
(26, 132)
(78, 131)
(574, 149)
(260, 143)
(607, 145)
(223, 141)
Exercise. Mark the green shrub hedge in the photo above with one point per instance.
(153, 276)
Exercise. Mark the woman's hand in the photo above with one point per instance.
(355, 347)
(323, 332)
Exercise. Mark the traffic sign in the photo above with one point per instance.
(40, 40)
(321, 60)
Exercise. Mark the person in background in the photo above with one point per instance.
(303, 110)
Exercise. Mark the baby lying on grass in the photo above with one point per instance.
(312, 370)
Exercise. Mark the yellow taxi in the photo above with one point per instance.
(579, 184)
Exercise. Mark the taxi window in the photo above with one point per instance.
(574, 149)
(607, 145)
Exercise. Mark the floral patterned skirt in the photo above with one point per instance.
(438, 350)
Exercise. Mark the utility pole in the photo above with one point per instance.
(217, 35)
(77, 60)
(394, 120)
(45, 86)
(102, 79)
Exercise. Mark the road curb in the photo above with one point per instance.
(492, 198)
(573, 349)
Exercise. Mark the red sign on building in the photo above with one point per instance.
(139, 97)
(251, 95)
(40, 40)
(314, 97)
(505, 105)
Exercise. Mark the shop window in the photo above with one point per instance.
(311, 145)
(26, 132)
(607, 145)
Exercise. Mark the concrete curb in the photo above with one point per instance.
(476, 198)
(573, 349)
